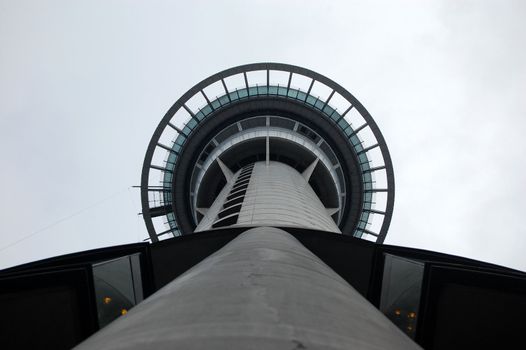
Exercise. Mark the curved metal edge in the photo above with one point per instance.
(277, 67)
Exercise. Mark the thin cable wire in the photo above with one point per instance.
(63, 219)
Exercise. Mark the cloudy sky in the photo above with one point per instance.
(83, 85)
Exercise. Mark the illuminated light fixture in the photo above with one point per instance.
(411, 315)
(107, 300)
(397, 312)
(124, 312)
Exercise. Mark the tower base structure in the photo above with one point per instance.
(263, 290)
(441, 301)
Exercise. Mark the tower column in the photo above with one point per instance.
(263, 290)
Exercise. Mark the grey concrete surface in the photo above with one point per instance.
(264, 290)
(277, 195)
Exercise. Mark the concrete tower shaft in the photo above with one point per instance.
(261, 160)
(263, 290)
(272, 194)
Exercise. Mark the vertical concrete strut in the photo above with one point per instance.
(226, 171)
(310, 169)
(263, 290)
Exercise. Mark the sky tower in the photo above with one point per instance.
(267, 191)
(263, 149)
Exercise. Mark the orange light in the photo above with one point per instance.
(397, 312)
(412, 315)
(124, 312)
(107, 300)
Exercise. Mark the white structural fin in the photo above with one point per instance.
(310, 169)
(202, 211)
(227, 172)
(330, 211)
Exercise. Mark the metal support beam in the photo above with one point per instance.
(160, 168)
(175, 128)
(368, 149)
(377, 190)
(328, 99)
(207, 100)
(169, 149)
(246, 80)
(310, 88)
(226, 90)
(288, 83)
(358, 129)
(192, 114)
(370, 170)
(310, 169)
(374, 211)
(226, 171)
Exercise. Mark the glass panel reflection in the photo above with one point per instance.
(118, 287)
(401, 289)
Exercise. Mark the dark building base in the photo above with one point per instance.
(441, 301)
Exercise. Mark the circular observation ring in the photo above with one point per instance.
(252, 83)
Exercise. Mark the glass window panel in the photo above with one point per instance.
(363, 158)
(401, 291)
(216, 104)
(365, 166)
(206, 110)
(301, 95)
(364, 217)
(118, 287)
(191, 123)
(311, 100)
(180, 139)
(349, 131)
(368, 197)
(176, 147)
(328, 110)
(319, 104)
(293, 93)
(344, 125)
(224, 100)
(200, 115)
(172, 157)
(242, 93)
(282, 90)
(358, 233)
(263, 90)
(135, 261)
(355, 140)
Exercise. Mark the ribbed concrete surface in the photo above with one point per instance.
(277, 195)
(263, 290)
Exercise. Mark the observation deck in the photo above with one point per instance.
(267, 111)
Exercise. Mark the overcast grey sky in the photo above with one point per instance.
(83, 84)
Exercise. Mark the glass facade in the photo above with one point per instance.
(118, 287)
(401, 290)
